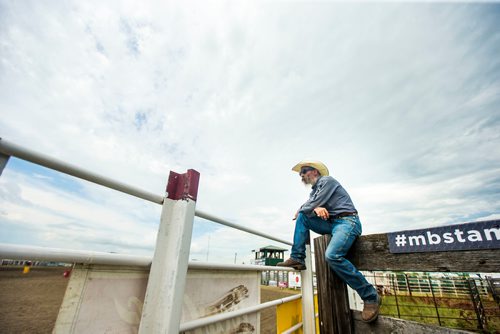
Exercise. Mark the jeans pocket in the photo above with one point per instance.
(356, 223)
(344, 233)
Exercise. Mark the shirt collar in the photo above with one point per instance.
(316, 184)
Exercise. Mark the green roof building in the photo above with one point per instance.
(269, 255)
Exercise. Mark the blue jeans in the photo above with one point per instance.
(344, 232)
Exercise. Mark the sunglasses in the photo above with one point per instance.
(304, 170)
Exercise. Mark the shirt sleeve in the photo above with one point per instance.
(325, 190)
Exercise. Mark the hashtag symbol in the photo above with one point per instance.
(400, 240)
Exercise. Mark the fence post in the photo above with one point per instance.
(3, 161)
(407, 284)
(478, 305)
(434, 300)
(308, 314)
(396, 295)
(335, 315)
(167, 278)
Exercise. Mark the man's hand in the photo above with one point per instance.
(322, 213)
(296, 214)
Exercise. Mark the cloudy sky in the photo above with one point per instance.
(401, 101)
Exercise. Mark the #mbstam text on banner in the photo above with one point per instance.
(469, 236)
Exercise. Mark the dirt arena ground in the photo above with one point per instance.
(29, 303)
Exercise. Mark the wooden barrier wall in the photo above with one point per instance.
(371, 252)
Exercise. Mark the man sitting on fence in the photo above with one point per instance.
(329, 210)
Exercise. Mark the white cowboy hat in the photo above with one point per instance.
(323, 170)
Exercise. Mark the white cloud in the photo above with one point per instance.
(420, 203)
(399, 100)
(64, 218)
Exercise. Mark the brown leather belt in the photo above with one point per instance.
(345, 214)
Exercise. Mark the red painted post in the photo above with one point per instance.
(167, 279)
(183, 186)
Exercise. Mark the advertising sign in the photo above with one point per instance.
(469, 236)
(105, 299)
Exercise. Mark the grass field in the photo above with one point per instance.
(453, 313)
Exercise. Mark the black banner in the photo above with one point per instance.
(476, 235)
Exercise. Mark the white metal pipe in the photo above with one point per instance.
(210, 217)
(4, 158)
(239, 267)
(11, 149)
(292, 329)
(24, 252)
(308, 295)
(190, 325)
(17, 151)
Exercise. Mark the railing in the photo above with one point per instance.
(172, 246)
(453, 300)
(8, 149)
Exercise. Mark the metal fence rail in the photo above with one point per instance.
(225, 316)
(448, 301)
(8, 149)
(215, 219)
(25, 252)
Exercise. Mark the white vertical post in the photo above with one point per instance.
(308, 314)
(3, 161)
(162, 308)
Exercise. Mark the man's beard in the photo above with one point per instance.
(307, 183)
(310, 180)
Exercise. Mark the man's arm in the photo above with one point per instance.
(319, 211)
